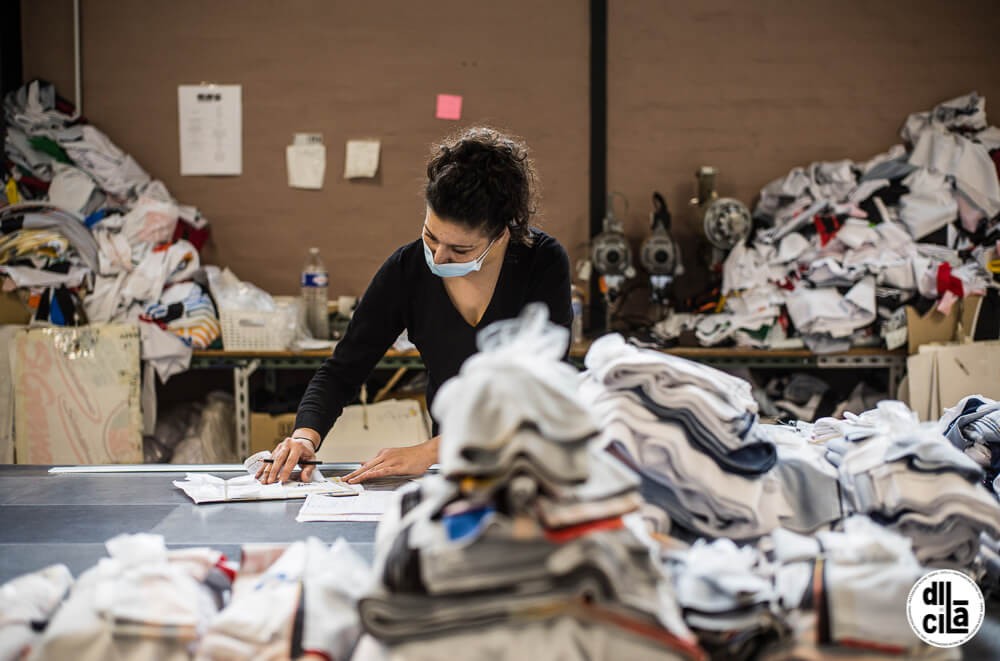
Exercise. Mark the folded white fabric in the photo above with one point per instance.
(719, 576)
(71, 189)
(257, 622)
(966, 112)
(168, 353)
(967, 161)
(744, 268)
(856, 233)
(336, 577)
(26, 602)
(138, 604)
(824, 310)
(930, 204)
(117, 172)
(867, 573)
(791, 248)
(500, 390)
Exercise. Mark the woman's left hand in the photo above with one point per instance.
(412, 460)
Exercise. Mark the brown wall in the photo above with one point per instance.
(753, 88)
(348, 70)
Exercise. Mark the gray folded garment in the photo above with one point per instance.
(393, 617)
(953, 543)
(606, 478)
(564, 461)
(927, 452)
(893, 489)
(496, 560)
(567, 638)
(810, 486)
(555, 514)
(481, 408)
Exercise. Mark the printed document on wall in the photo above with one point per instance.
(211, 129)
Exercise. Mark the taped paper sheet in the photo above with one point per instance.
(305, 159)
(362, 158)
(211, 129)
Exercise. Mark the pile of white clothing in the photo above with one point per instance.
(728, 598)
(290, 602)
(847, 589)
(906, 475)
(803, 597)
(26, 605)
(143, 602)
(125, 238)
(527, 530)
(691, 433)
(842, 245)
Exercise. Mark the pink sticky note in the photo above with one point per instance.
(947, 301)
(449, 106)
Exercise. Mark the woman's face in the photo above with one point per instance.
(452, 242)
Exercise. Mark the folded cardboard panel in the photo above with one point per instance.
(934, 326)
(359, 433)
(940, 375)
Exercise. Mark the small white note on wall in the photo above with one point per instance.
(211, 129)
(306, 161)
(362, 158)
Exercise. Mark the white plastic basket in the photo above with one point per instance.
(256, 330)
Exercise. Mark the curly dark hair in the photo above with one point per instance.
(483, 178)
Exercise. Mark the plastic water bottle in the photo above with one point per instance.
(314, 296)
(576, 329)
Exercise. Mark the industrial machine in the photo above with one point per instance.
(610, 253)
(726, 221)
(660, 255)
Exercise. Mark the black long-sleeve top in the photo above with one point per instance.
(404, 294)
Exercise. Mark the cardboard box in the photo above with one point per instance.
(933, 326)
(358, 433)
(12, 308)
(268, 430)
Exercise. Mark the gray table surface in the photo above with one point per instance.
(48, 518)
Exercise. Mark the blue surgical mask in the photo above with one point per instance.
(454, 269)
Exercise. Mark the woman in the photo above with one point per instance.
(477, 261)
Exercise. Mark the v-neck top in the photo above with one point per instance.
(404, 294)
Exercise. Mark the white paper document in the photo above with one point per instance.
(211, 129)
(362, 158)
(205, 488)
(305, 159)
(367, 506)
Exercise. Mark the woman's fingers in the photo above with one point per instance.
(291, 459)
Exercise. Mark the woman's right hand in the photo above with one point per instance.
(286, 455)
